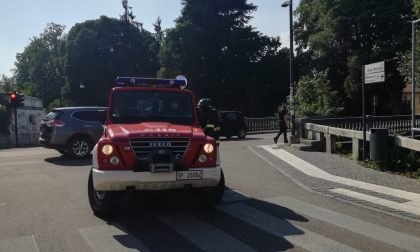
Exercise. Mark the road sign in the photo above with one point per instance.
(375, 72)
(374, 77)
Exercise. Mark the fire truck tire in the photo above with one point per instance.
(102, 203)
(208, 197)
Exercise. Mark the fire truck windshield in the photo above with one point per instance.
(151, 106)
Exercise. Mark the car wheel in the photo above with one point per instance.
(79, 147)
(208, 197)
(242, 134)
(103, 203)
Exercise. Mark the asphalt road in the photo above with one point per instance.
(44, 207)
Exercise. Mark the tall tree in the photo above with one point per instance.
(343, 35)
(7, 84)
(159, 33)
(405, 66)
(128, 15)
(97, 51)
(38, 70)
(220, 53)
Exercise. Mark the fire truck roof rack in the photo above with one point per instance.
(179, 82)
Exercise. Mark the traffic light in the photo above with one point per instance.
(20, 100)
(16, 99)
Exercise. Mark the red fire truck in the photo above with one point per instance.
(152, 141)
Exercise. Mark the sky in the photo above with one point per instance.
(21, 20)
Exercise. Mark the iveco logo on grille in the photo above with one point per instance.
(160, 144)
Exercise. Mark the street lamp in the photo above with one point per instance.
(292, 81)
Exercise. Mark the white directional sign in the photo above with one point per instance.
(375, 72)
(374, 77)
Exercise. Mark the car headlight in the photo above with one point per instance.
(107, 149)
(208, 148)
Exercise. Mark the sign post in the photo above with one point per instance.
(371, 73)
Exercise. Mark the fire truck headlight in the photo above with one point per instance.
(208, 148)
(107, 149)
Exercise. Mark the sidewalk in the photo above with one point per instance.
(337, 177)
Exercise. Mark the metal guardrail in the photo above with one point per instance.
(261, 125)
(405, 142)
(395, 124)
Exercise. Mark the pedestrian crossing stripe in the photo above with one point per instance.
(209, 237)
(298, 236)
(204, 235)
(352, 224)
(108, 238)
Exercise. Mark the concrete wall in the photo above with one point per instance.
(28, 123)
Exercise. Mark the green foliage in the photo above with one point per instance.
(343, 35)
(224, 57)
(7, 84)
(56, 104)
(97, 51)
(38, 70)
(416, 8)
(314, 96)
(128, 15)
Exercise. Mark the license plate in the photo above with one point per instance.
(189, 175)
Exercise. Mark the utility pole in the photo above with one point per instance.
(291, 73)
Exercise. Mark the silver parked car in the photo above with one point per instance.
(73, 131)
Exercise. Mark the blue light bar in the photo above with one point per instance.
(150, 82)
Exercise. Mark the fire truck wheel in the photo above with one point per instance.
(207, 197)
(102, 203)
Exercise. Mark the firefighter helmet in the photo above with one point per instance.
(205, 104)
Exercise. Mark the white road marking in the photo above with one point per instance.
(364, 228)
(104, 238)
(298, 236)
(19, 244)
(409, 208)
(316, 172)
(202, 234)
(232, 196)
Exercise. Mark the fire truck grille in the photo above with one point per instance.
(142, 147)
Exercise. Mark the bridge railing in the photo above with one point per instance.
(328, 129)
(395, 124)
(398, 124)
(262, 125)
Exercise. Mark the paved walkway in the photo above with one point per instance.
(344, 179)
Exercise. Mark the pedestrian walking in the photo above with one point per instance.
(282, 112)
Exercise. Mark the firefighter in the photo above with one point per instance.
(209, 118)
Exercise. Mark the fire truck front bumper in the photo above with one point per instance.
(106, 180)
